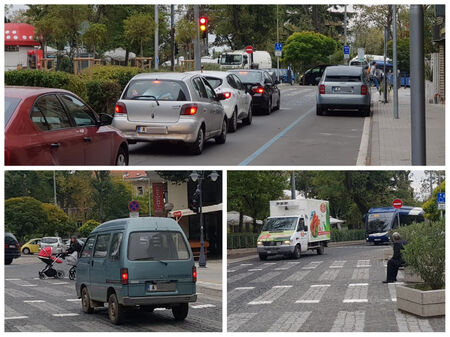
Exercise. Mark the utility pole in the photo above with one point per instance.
(278, 58)
(156, 38)
(54, 188)
(172, 38)
(418, 121)
(384, 66)
(197, 59)
(394, 52)
(293, 194)
(345, 31)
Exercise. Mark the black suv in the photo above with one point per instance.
(12, 248)
(312, 76)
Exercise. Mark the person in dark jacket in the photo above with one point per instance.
(74, 246)
(396, 261)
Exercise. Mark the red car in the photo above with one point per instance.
(46, 126)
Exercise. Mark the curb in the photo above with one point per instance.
(363, 158)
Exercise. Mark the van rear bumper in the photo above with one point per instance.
(157, 300)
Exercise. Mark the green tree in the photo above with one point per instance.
(88, 227)
(304, 49)
(402, 53)
(430, 206)
(36, 184)
(139, 29)
(185, 32)
(95, 36)
(57, 222)
(23, 216)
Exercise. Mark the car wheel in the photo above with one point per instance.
(320, 250)
(233, 122)
(223, 135)
(197, 146)
(122, 157)
(180, 312)
(366, 112)
(297, 252)
(263, 257)
(278, 103)
(115, 310)
(248, 120)
(26, 251)
(8, 260)
(319, 111)
(86, 301)
(268, 109)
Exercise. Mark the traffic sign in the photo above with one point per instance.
(134, 206)
(249, 50)
(440, 198)
(346, 52)
(361, 54)
(177, 214)
(397, 203)
(278, 53)
(278, 46)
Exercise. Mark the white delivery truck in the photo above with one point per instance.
(294, 227)
(239, 59)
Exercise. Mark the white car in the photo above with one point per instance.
(55, 242)
(237, 103)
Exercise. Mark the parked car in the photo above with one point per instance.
(47, 126)
(55, 242)
(343, 87)
(145, 262)
(171, 107)
(31, 247)
(284, 77)
(265, 93)
(12, 248)
(312, 76)
(238, 101)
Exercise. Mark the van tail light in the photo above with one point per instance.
(120, 108)
(7, 157)
(226, 95)
(322, 89)
(258, 90)
(364, 90)
(124, 276)
(194, 274)
(189, 109)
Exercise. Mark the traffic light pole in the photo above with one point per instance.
(197, 59)
(202, 258)
(156, 37)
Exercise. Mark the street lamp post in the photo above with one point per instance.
(198, 177)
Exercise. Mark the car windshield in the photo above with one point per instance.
(230, 59)
(342, 78)
(280, 224)
(11, 104)
(152, 89)
(249, 76)
(49, 240)
(379, 222)
(214, 81)
(155, 246)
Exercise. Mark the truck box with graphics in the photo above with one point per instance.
(294, 227)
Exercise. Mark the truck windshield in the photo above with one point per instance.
(280, 224)
(230, 59)
(156, 246)
(249, 76)
(379, 222)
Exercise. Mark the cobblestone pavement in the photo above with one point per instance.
(341, 290)
(33, 305)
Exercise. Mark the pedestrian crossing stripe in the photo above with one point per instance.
(201, 306)
(17, 317)
(34, 301)
(65, 315)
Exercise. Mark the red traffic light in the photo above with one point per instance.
(203, 22)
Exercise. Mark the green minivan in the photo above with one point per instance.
(142, 263)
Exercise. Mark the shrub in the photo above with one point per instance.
(347, 235)
(117, 73)
(425, 251)
(103, 95)
(88, 227)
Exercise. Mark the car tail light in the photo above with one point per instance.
(364, 90)
(7, 157)
(189, 109)
(120, 108)
(124, 276)
(226, 94)
(194, 274)
(322, 89)
(6, 246)
(258, 90)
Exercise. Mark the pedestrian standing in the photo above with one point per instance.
(396, 261)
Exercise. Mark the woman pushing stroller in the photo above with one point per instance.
(71, 256)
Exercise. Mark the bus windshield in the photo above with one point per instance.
(280, 224)
(379, 222)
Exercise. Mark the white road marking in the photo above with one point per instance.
(17, 317)
(360, 274)
(364, 146)
(269, 263)
(312, 265)
(290, 322)
(356, 293)
(329, 275)
(347, 321)
(28, 285)
(298, 276)
(73, 299)
(59, 283)
(231, 271)
(34, 301)
(65, 315)
(201, 306)
(244, 288)
(12, 279)
(255, 269)
(161, 309)
(266, 277)
(270, 295)
(363, 264)
(314, 293)
(282, 286)
(410, 323)
(282, 268)
(338, 264)
(246, 264)
(234, 321)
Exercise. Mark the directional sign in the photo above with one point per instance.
(134, 206)
(249, 50)
(361, 54)
(397, 203)
(346, 52)
(278, 46)
(440, 198)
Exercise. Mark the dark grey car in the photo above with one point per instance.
(343, 88)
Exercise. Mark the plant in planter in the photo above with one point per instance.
(425, 255)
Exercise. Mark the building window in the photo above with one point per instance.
(11, 48)
(140, 190)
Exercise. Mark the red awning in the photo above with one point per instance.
(19, 34)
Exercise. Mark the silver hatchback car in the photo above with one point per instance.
(343, 87)
(171, 107)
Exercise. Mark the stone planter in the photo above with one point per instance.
(421, 303)
(411, 276)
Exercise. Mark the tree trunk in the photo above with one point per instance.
(127, 52)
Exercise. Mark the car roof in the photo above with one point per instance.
(343, 70)
(220, 74)
(164, 76)
(249, 70)
(141, 223)
(23, 92)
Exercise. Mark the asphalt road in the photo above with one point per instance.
(341, 290)
(35, 305)
(293, 135)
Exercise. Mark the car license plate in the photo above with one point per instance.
(268, 252)
(346, 90)
(152, 129)
(157, 287)
(12, 246)
(376, 239)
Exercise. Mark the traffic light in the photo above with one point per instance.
(203, 22)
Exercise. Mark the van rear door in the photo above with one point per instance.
(98, 268)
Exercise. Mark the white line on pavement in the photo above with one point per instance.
(34, 301)
(357, 284)
(65, 315)
(17, 317)
(73, 299)
(282, 268)
(356, 300)
(307, 301)
(244, 288)
(282, 287)
(255, 269)
(364, 146)
(28, 285)
(201, 306)
(259, 302)
(319, 285)
(12, 279)
(59, 283)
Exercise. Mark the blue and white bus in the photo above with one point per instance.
(380, 220)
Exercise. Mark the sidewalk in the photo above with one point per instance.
(390, 141)
(211, 276)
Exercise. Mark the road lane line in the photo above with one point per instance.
(202, 306)
(73, 299)
(363, 152)
(255, 269)
(70, 314)
(17, 317)
(243, 288)
(34, 301)
(13, 279)
(263, 148)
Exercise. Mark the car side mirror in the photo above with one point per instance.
(105, 119)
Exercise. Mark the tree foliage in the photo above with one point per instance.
(139, 29)
(88, 227)
(95, 36)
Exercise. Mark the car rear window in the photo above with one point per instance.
(249, 76)
(11, 104)
(150, 246)
(214, 81)
(49, 240)
(10, 239)
(151, 89)
(342, 78)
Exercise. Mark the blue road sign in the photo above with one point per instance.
(134, 206)
(278, 46)
(347, 50)
(440, 198)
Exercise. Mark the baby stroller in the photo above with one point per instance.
(45, 255)
(72, 260)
